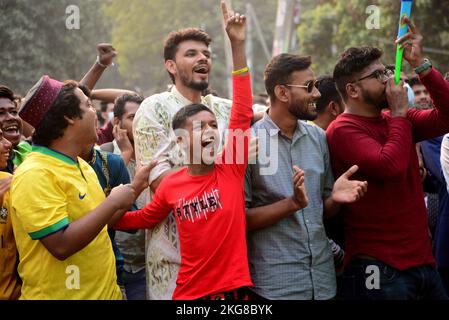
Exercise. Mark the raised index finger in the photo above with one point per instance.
(224, 10)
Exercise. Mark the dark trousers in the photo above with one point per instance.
(135, 285)
(232, 295)
(366, 279)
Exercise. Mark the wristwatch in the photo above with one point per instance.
(425, 65)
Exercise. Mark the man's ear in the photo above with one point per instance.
(281, 93)
(70, 121)
(170, 65)
(116, 121)
(182, 141)
(334, 108)
(352, 90)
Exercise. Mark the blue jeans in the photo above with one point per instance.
(366, 279)
(135, 285)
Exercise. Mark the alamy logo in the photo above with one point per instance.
(73, 280)
(72, 22)
(373, 21)
(373, 279)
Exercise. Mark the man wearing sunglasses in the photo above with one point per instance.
(289, 254)
(388, 248)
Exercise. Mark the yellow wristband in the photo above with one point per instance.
(240, 71)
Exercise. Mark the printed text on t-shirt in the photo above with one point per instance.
(198, 207)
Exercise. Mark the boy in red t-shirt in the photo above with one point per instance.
(207, 196)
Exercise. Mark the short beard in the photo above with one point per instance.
(380, 103)
(197, 86)
(302, 115)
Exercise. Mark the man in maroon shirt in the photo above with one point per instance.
(388, 248)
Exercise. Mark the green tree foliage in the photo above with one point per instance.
(35, 41)
(328, 27)
(141, 26)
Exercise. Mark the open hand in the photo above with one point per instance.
(347, 191)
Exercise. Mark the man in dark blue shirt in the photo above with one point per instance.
(111, 172)
(431, 150)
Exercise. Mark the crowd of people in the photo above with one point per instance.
(335, 187)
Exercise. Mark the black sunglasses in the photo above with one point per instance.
(379, 74)
(309, 85)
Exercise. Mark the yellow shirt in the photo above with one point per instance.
(9, 286)
(50, 190)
